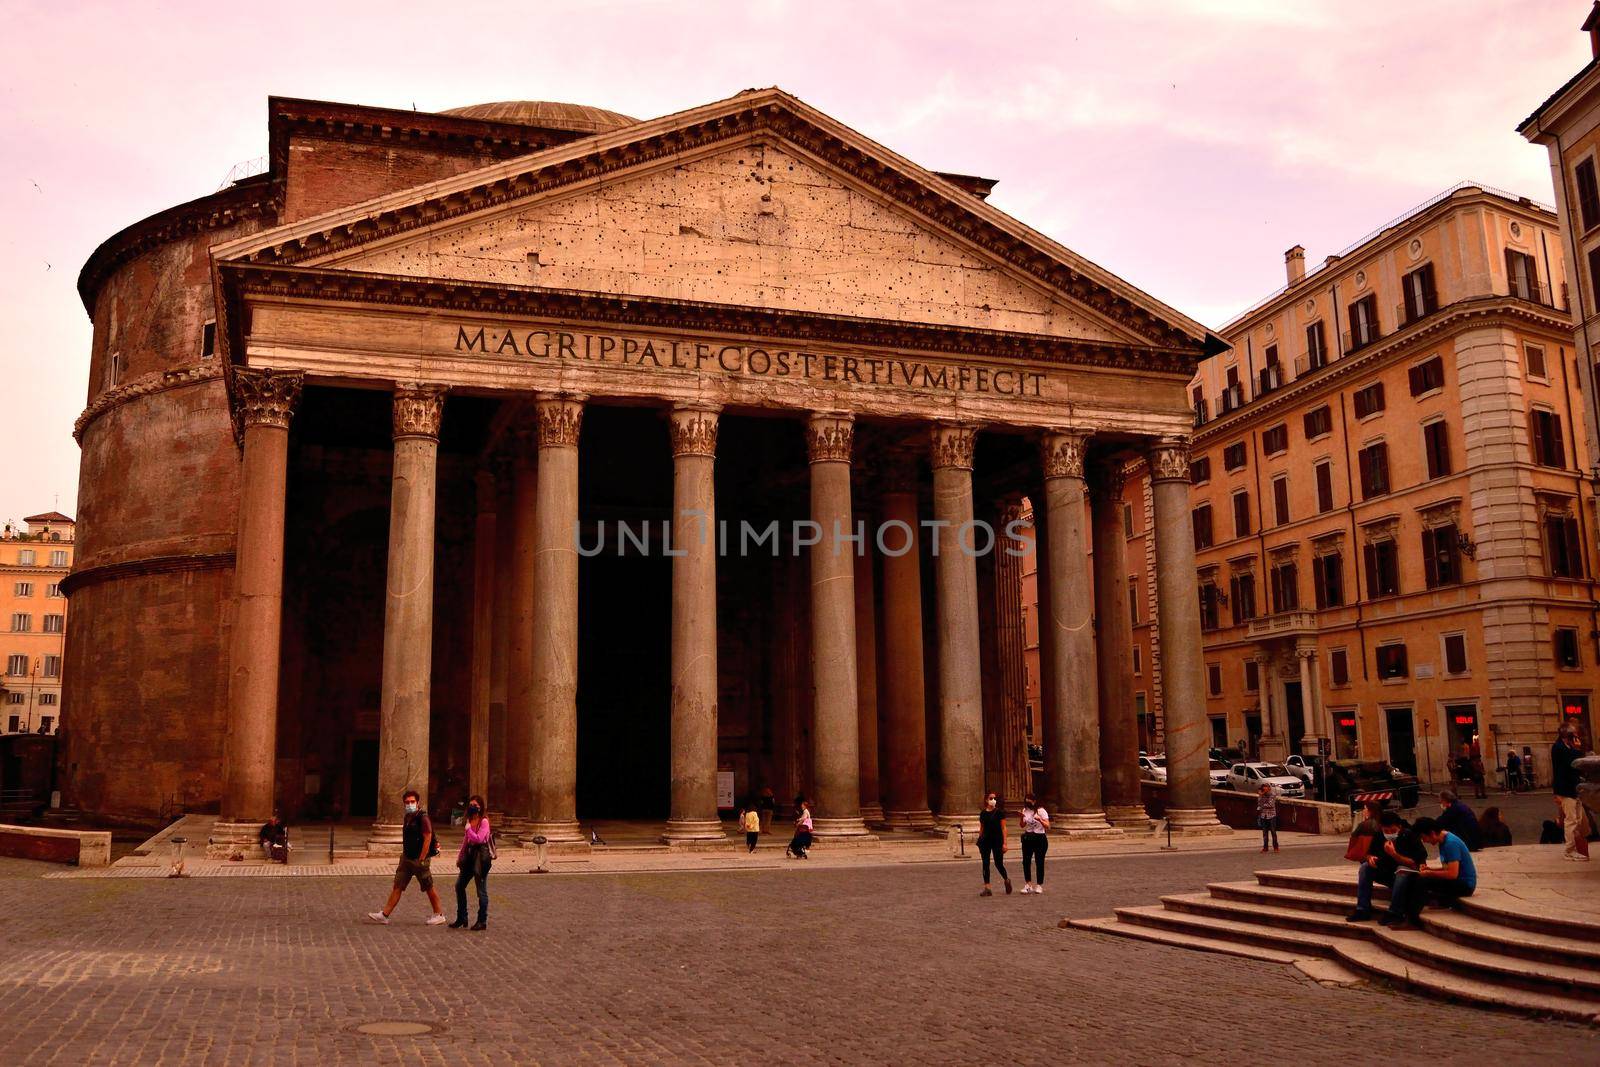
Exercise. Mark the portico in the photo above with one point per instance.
(885, 362)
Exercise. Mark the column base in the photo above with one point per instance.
(705, 833)
(1272, 748)
(1084, 824)
(554, 831)
(386, 839)
(915, 821)
(1195, 822)
(837, 828)
(228, 838)
(872, 814)
(947, 821)
(1129, 816)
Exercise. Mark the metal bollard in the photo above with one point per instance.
(541, 853)
(957, 838)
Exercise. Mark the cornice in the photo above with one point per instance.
(145, 385)
(431, 294)
(1473, 311)
(140, 567)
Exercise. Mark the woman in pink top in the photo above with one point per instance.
(801, 843)
(474, 860)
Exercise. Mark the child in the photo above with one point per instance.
(750, 823)
(1267, 816)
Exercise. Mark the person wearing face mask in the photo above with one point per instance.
(1035, 843)
(473, 861)
(417, 848)
(992, 842)
(1397, 847)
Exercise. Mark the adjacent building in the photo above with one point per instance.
(1391, 506)
(34, 559)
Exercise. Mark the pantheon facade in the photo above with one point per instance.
(615, 469)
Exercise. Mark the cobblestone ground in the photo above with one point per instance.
(884, 965)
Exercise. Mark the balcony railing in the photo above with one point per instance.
(1310, 361)
(1283, 624)
(1533, 292)
(1360, 337)
(1232, 398)
(1269, 378)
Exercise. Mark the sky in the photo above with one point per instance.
(1181, 144)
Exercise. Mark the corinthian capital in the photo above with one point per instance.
(560, 420)
(1106, 479)
(1169, 460)
(693, 431)
(1061, 455)
(418, 410)
(265, 397)
(951, 445)
(829, 438)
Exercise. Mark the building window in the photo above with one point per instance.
(55, 624)
(1233, 392)
(53, 591)
(21, 623)
(1200, 470)
(1421, 299)
(1324, 486)
(1133, 600)
(14, 724)
(1285, 587)
(1252, 676)
(22, 589)
(1567, 655)
(47, 699)
(1202, 526)
(1138, 660)
(113, 369)
(16, 698)
(1533, 360)
(1270, 376)
(1275, 439)
(1363, 322)
(1280, 499)
(1127, 520)
(1548, 449)
(1522, 278)
(1242, 594)
(52, 666)
(1241, 513)
(1318, 421)
(1339, 666)
(1594, 274)
(1588, 195)
(1328, 573)
(1561, 545)
(1392, 661)
(1369, 400)
(45, 722)
(1383, 569)
(1316, 346)
(1455, 653)
(58, 558)
(208, 340)
(1210, 617)
(1233, 457)
(1441, 558)
(1374, 470)
(17, 666)
(1427, 376)
(1436, 446)
(25, 557)
(1214, 679)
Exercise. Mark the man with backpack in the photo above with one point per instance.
(417, 849)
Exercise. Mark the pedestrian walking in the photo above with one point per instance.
(418, 846)
(1035, 843)
(767, 805)
(750, 823)
(1564, 783)
(800, 844)
(477, 855)
(992, 842)
(1267, 815)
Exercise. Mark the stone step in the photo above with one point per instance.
(1267, 915)
(1304, 900)
(1236, 930)
(1540, 922)
(1163, 936)
(1315, 881)
(1377, 961)
(1420, 946)
(1475, 932)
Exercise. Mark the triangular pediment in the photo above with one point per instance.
(756, 201)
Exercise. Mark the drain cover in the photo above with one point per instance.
(395, 1028)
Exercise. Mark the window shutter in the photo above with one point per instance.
(1369, 556)
(1419, 379)
(1430, 560)
(1430, 297)
(1380, 468)
(1575, 567)
(1536, 425)
(1554, 441)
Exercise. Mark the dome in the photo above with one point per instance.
(576, 118)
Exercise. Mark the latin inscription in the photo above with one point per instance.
(747, 360)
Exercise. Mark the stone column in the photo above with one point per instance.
(867, 684)
(694, 817)
(836, 758)
(1188, 734)
(1273, 745)
(520, 622)
(1310, 702)
(1074, 730)
(956, 575)
(408, 611)
(483, 553)
(1011, 732)
(265, 399)
(500, 646)
(553, 752)
(1119, 725)
(904, 692)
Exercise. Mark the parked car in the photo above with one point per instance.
(1303, 768)
(1229, 756)
(1152, 768)
(1219, 774)
(1248, 777)
(1351, 781)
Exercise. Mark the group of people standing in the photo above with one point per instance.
(1034, 824)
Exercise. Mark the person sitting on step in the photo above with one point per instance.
(1396, 847)
(1448, 881)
